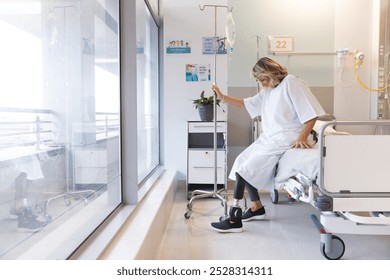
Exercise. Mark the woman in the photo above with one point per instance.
(289, 111)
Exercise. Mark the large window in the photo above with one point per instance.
(147, 91)
(59, 123)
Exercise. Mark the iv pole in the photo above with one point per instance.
(197, 194)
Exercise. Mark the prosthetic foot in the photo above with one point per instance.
(231, 224)
(28, 222)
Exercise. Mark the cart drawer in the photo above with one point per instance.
(201, 167)
(206, 127)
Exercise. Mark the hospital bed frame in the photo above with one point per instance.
(352, 187)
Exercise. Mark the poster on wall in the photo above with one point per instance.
(178, 46)
(198, 73)
(209, 46)
(140, 46)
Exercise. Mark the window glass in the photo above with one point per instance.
(59, 124)
(147, 91)
(154, 5)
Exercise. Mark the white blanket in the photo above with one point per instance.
(295, 161)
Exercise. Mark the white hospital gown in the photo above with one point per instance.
(283, 111)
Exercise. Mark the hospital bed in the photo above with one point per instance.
(345, 177)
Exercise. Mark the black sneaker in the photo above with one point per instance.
(30, 223)
(249, 215)
(227, 226)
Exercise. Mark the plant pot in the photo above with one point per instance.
(206, 112)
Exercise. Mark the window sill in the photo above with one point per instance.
(130, 224)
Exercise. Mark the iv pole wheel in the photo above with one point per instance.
(67, 202)
(187, 215)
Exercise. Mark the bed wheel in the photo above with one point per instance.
(275, 196)
(338, 249)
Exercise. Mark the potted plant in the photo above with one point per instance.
(205, 106)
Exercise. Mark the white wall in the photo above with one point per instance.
(310, 22)
(355, 21)
(184, 20)
(321, 25)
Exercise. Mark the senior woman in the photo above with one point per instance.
(288, 111)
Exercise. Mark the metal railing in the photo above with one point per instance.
(25, 127)
(107, 124)
(36, 127)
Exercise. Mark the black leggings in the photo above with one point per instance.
(239, 189)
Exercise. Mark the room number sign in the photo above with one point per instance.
(278, 44)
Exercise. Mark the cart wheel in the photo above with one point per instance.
(275, 196)
(338, 249)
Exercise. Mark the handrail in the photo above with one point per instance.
(25, 127)
(26, 110)
(21, 129)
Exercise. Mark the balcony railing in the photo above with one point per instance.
(107, 124)
(36, 127)
(25, 127)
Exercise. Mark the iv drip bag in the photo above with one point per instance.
(230, 29)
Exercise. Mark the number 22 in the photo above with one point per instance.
(281, 44)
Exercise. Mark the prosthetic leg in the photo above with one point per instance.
(233, 223)
(22, 209)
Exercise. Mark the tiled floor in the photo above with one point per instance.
(288, 233)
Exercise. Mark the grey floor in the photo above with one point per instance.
(288, 233)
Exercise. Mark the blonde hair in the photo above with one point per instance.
(269, 69)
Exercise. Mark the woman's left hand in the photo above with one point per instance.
(302, 141)
(302, 144)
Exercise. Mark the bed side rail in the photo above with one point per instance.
(366, 159)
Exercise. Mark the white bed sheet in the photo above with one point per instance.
(302, 161)
(297, 161)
